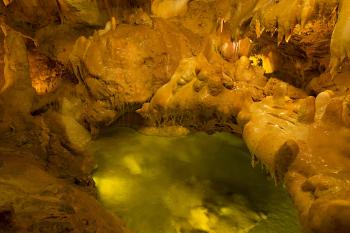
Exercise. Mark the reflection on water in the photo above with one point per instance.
(192, 184)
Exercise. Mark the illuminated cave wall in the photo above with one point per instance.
(265, 69)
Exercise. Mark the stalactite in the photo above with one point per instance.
(340, 44)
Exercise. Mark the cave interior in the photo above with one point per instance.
(175, 116)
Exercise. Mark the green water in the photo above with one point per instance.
(192, 184)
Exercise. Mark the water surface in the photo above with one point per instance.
(192, 184)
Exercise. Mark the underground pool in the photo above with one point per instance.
(197, 183)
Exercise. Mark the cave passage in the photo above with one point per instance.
(190, 184)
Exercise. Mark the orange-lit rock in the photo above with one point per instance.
(122, 68)
(184, 65)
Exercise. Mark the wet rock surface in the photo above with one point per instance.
(34, 201)
(204, 67)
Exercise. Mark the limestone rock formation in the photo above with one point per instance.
(191, 65)
(45, 178)
(205, 96)
(301, 141)
(194, 95)
(122, 68)
(340, 46)
(17, 84)
(28, 15)
(304, 143)
(82, 12)
(34, 201)
(169, 8)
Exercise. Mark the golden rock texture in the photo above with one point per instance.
(45, 185)
(122, 68)
(32, 200)
(276, 72)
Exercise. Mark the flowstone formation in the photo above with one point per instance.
(304, 143)
(209, 97)
(276, 72)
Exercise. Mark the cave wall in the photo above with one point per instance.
(275, 72)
